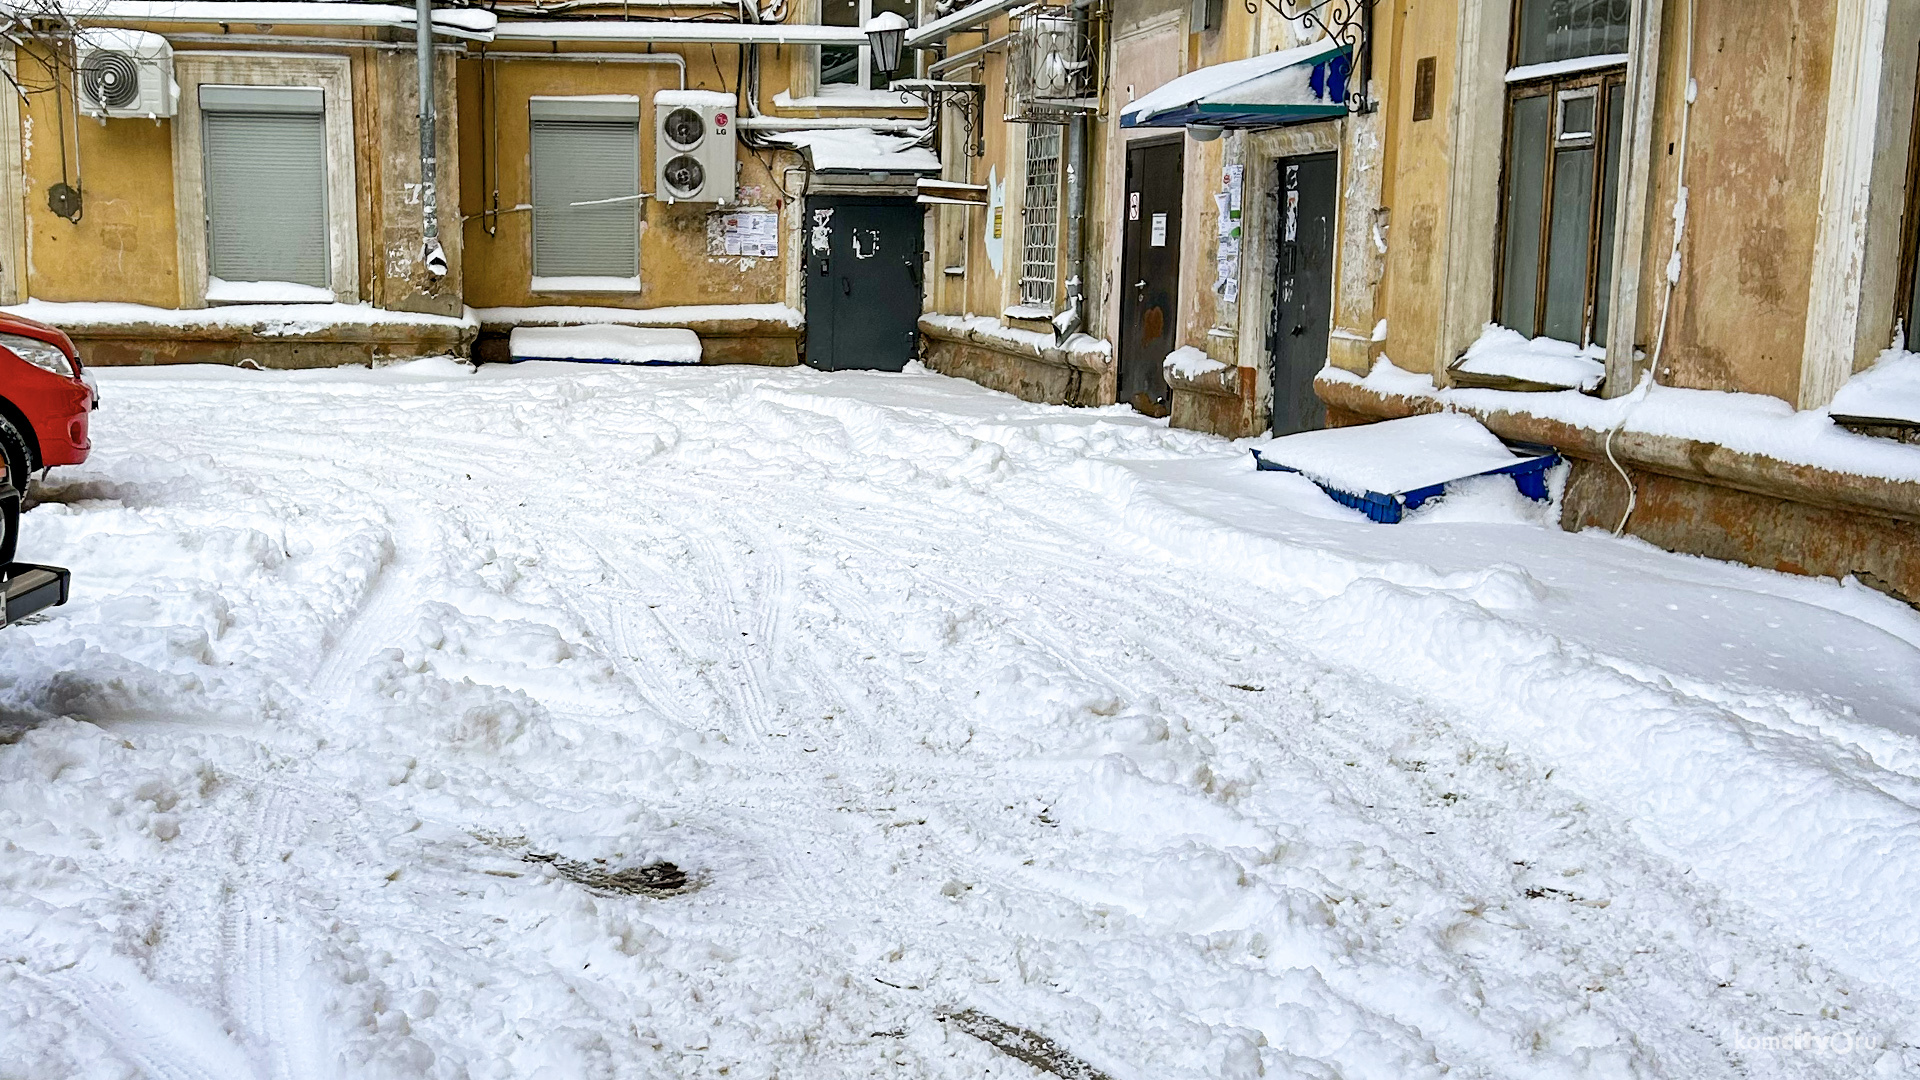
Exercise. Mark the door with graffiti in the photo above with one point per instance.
(864, 269)
(1302, 312)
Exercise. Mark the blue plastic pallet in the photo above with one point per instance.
(1529, 475)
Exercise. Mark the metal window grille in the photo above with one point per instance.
(1040, 215)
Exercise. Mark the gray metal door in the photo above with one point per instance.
(1150, 264)
(1302, 289)
(863, 281)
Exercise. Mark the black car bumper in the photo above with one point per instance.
(31, 589)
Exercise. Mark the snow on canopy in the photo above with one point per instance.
(1393, 455)
(1268, 81)
(860, 150)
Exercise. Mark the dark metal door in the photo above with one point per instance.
(863, 281)
(1302, 290)
(1150, 266)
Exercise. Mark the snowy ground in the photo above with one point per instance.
(945, 703)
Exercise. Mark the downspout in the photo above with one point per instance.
(434, 255)
(1072, 317)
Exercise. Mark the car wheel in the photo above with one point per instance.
(13, 446)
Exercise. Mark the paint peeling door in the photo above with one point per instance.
(864, 271)
(1150, 267)
(1302, 289)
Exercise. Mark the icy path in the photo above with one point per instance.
(946, 703)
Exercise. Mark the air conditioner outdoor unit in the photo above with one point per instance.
(693, 146)
(1049, 74)
(126, 73)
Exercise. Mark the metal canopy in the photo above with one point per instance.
(1291, 86)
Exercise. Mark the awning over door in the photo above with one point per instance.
(1291, 86)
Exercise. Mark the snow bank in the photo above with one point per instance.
(1889, 390)
(1032, 341)
(1748, 423)
(607, 342)
(944, 701)
(270, 319)
(1393, 455)
(1503, 352)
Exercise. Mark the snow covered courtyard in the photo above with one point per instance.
(972, 731)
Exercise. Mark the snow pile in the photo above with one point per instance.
(1745, 423)
(384, 694)
(278, 319)
(1033, 342)
(606, 343)
(1508, 354)
(1393, 455)
(1188, 362)
(1889, 390)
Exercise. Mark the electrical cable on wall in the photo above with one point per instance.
(1651, 378)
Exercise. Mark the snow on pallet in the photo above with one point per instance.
(606, 343)
(1384, 470)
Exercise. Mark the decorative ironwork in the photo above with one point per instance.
(1349, 22)
(1049, 73)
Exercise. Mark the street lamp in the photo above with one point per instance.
(886, 33)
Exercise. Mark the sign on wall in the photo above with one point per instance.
(744, 233)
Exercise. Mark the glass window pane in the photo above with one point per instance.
(1568, 245)
(839, 64)
(839, 13)
(1609, 191)
(1576, 116)
(1526, 204)
(1565, 29)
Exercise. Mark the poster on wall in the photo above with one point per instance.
(1226, 256)
(744, 233)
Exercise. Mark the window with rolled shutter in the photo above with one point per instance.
(586, 172)
(266, 183)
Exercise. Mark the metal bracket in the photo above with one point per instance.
(1349, 22)
(973, 104)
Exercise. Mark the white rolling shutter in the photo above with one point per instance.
(266, 182)
(584, 151)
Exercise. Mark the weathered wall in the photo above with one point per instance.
(122, 248)
(1753, 177)
(1416, 175)
(674, 265)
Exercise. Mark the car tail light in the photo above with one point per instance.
(41, 354)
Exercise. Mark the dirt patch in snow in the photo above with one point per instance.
(1030, 1047)
(597, 875)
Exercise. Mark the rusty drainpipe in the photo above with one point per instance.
(432, 253)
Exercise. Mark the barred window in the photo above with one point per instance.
(1040, 215)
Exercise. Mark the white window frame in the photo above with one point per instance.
(863, 13)
(333, 76)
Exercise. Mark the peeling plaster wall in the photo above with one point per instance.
(1754, 173)
(674, 265)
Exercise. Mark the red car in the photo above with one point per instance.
(45, 397)
(44, 401)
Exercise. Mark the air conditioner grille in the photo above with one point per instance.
(684, 128)
(111, 79)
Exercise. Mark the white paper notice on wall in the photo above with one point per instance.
(1159, 238)
(749, 233)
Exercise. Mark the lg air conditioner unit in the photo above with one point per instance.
(124, 73)
(693, 146)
